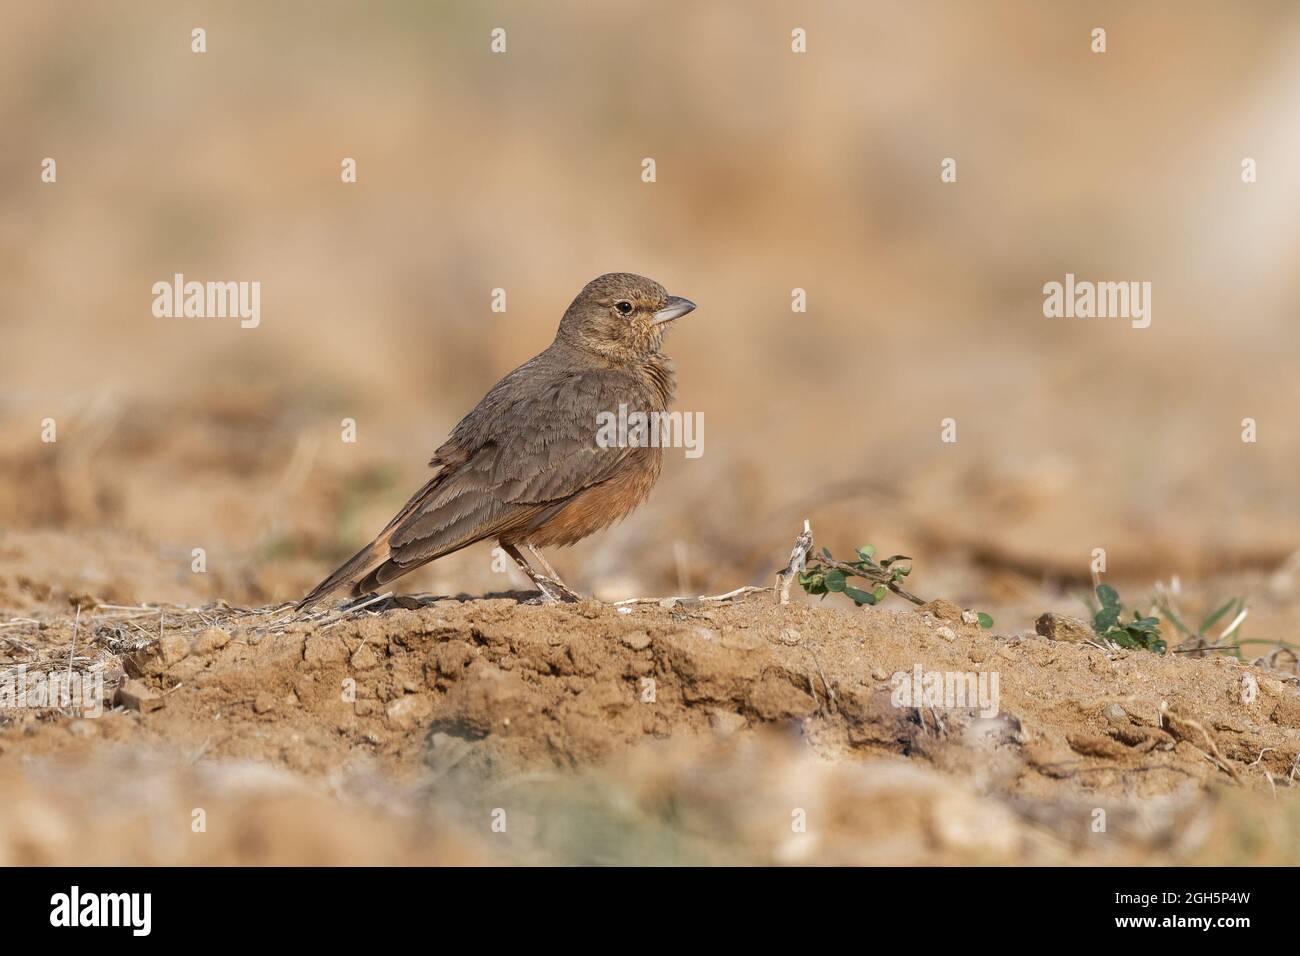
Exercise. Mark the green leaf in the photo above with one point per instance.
(859, 596)
(1107, 618)
(835, 580)
(880, 592)
(1214, 618)
(814, 582)
(866, 552)
(1141, 633)
(986, 620)
(1121, 637)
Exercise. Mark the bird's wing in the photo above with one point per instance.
(519, 452)
(528, 445)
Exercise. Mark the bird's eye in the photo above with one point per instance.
(624, 307)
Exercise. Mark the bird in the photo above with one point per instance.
(526, 466)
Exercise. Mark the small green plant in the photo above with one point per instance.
(1109, 625)
(1197, 640)
(823, 575)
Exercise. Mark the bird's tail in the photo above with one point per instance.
(352, 572)
(362, 571)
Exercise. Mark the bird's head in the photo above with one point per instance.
(621, 316)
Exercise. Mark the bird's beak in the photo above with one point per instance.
(675, 309)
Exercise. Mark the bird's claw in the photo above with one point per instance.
(552, 592)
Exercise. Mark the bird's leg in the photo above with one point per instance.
(565, 590)
(551, 592)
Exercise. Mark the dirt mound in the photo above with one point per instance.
(459, 710)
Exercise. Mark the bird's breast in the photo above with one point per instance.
(599, 506)
(662, 380)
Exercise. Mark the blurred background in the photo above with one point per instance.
(775, 171)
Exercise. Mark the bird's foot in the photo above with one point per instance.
(566, 595)
(552, 592)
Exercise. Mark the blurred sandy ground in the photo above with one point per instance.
(775, 171)
(709, 803)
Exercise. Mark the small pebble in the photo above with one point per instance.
(138, 697)
(173, 648)
(724, 722)
(211, 639)
(637, 640)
